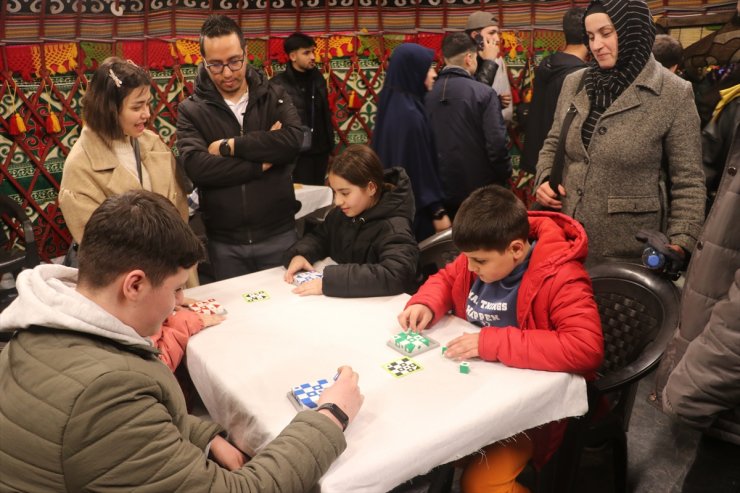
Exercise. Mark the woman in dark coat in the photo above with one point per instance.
(403, 137)
(633, 151)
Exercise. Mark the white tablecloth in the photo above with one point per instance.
(244, 367)
(312, 197)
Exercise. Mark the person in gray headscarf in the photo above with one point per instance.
(632, 155)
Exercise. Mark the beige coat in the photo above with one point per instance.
(92, 174)
(615, 188)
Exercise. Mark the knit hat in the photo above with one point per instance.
(480, 20)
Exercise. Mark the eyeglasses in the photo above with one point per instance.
(218, 67)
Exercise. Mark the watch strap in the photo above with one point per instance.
(337, 412)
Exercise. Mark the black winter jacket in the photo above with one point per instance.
(241, 203)
(548, 80)
(469, 133)
(376, 252)
(323, 131)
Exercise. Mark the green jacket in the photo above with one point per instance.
(85, 412)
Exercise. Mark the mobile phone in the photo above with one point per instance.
(479, 41)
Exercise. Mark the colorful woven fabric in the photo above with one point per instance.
(322, 47)
(340, 46)
(433, 41)
(20, 60)
(133, 50)
(95, 53)
(60, 58)
(276, 51)
(188, 51)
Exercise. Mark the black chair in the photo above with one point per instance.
(436, 252)
(639, 314)
(308, 222)
(15, 260)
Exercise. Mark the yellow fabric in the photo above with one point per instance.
(496, 469)
(727, 95)
(60, 58)
(189, 49)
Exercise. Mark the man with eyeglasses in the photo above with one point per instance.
(238, 136)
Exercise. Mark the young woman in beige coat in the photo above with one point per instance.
(103, 161)
(116, 153)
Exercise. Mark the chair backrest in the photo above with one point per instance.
(436, 252)
(28, 259)
(15, 260)
(639, 313)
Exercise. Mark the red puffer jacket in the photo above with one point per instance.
(559, 326)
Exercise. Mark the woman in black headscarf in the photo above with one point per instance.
(403, 137)
(633, 151)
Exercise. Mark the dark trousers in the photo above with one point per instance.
(311, 169)
(236, 260)
(716, 468)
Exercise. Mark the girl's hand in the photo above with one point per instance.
(463, 347)
(309, 288)
(297, 264)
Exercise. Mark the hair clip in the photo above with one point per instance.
(115, 78)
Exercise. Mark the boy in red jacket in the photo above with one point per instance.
(520, 278)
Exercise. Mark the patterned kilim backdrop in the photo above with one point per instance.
(41, 83)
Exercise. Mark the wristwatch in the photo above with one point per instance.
(224, 149)
(337, 412)
(439, 214)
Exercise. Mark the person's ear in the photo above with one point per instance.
(516, 248)
(372, 188)
(134, 285)
(293, 55)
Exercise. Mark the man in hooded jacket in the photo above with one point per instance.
(548, 80)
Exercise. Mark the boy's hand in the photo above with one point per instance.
(310, 287)
(226, 454)
(297, 264)
(463, 347)
(415, 317)
(344, 393)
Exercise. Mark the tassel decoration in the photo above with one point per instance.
(52, 123)
(17, 125)
(354, 102)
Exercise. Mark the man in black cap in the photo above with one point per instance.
(307, 88)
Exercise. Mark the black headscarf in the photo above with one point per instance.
(635, 37)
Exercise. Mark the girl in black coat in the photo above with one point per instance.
(368, 233)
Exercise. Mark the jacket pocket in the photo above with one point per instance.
(635, 205)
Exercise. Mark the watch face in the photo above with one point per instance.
(224, 148)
